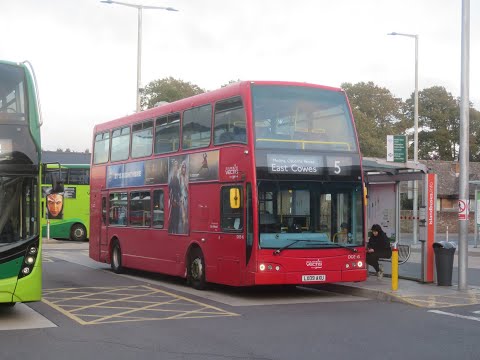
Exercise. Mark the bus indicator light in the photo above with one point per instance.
(262, 267)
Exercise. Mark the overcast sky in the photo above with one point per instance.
(84, 52)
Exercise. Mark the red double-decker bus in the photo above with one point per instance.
(255, 183)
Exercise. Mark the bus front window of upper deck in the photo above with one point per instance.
(302, 119)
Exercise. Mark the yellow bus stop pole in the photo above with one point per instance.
(395, 268)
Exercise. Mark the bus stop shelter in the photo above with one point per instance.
(392, 189)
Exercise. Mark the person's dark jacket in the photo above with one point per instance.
(380, 244)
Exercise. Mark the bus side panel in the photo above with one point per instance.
(224, 252)
(97, 182)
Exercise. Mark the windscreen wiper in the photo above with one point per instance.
(278, 251)
(343, 246)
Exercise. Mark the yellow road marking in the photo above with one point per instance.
(171, 307)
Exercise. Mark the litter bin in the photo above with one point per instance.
(444, 253)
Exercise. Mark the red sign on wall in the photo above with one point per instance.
(462, 209)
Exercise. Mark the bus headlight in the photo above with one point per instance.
(26, 270)
(359, 264)
(32, 250)
(30, 260)
(268, 267)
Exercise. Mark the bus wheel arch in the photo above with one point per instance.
(116, 256)
(78, 232)
(196, 276)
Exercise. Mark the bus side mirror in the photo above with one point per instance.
(235, 198)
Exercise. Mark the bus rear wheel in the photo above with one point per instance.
(196, 270)
(116, 260)
(78, 232)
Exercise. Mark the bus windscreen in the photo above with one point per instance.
(302, 118)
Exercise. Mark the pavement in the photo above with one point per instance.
(412, 292)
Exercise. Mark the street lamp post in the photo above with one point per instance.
(415, 134)
(139, 41)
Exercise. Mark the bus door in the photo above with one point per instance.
(103, 248)
(232, 249)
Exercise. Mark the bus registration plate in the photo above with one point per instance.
(308, 278)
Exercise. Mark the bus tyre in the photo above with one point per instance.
(116, 260)
(196, 270)
(78, 232)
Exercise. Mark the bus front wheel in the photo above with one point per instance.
(196, 270)
(7, 305)
(116, 260)
(78, 232)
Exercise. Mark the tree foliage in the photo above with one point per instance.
(377, 113)
(438, 123)
(167, 90)
(474, 139)
(231, 82)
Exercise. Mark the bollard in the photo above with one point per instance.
(395, 269)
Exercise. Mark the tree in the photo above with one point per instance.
(438, 123)
(377, 113)
(168, 90)
(474, 139)
(231, 82)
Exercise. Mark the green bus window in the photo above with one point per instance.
(12, 94)
(78, 176)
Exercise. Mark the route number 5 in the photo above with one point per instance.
(338, 169)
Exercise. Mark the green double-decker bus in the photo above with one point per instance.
(20, 169)
(66, 215)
